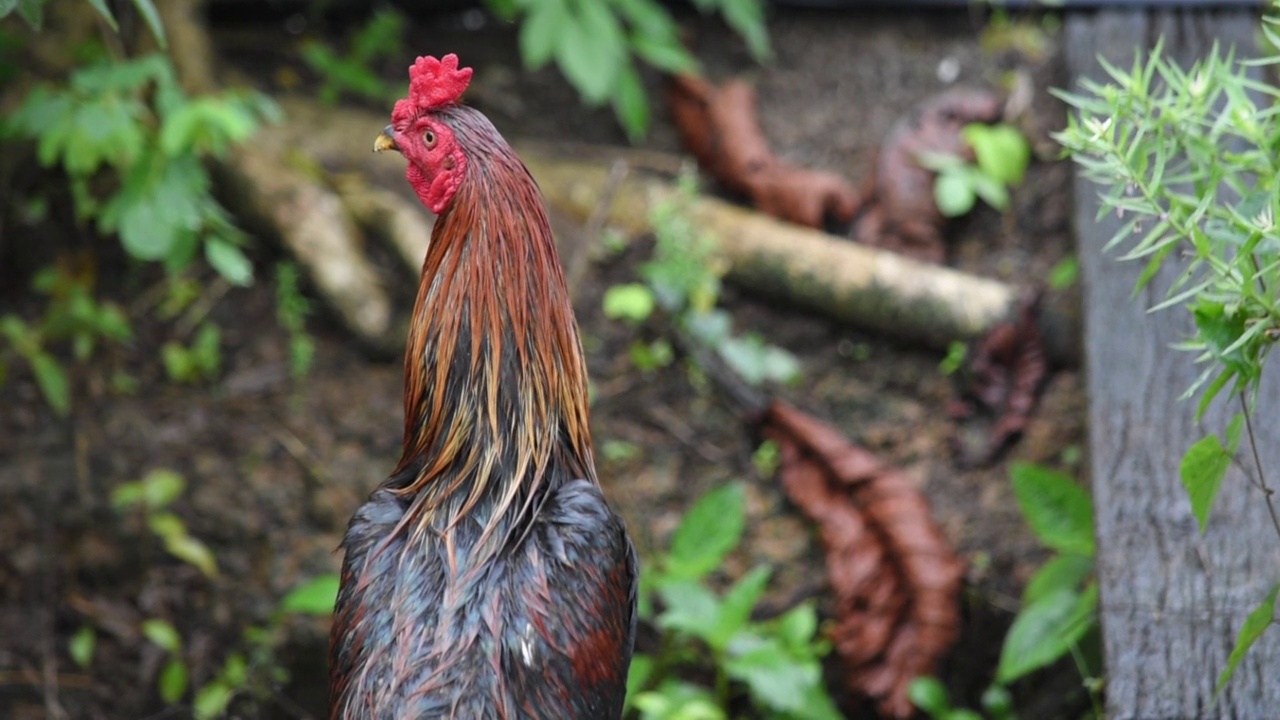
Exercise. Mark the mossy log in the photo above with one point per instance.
(880, 291)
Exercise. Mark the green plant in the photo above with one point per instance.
(292, 309)
(257, 668)
(930, 695)
(1001, 155)
(595, 44)
(174, 677)
(775, 663)
(151, 496)
(202, 360)
(72, 315)
(1059, 603)
(1187, 157)
(957, 351)
(683, 281)
(32, 11)
(381, 37)
(81, 646)
(132, 120)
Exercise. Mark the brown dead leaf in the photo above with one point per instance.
(899, 212)
(895, 577)
(719, 126)
(1007, 369)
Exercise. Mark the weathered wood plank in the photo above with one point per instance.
(1171, 602)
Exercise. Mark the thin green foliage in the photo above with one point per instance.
(1186, 157)
(292, 309)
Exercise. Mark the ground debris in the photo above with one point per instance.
(895, 577)
(1006, 372)
(897, 210)
(720, 127)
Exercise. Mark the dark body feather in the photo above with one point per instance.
(487, 577)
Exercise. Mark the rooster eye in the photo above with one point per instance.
(429, 138)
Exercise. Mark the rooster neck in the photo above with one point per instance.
(495, 383)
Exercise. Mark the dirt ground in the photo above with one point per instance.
(275, 467)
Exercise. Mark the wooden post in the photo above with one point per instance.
(1172, 601)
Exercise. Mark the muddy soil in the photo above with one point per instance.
(274, 466)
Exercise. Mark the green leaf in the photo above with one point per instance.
(709, 530)
(229, 261)
(589, 51)
(690, 608)
(632, 301)
(758, 362)
(193, 552)
(147, 10)
(1064, 274)
(775, 679)
(162, 634)
(1202, 469)
(1220, 330)
(998, 703)
(161, 487)
(104, 11)
(1063, 572)
(746, 17)
(953, 194)
(638, 677)
(155, 208)
(1257, 623)
(1002, 152)
(313, 597)
(797, 626)
(52, 381)
(1057, 509)
(81, 646)
(33, 12)
(173, 681)
(630, 104)
(930, 695)
(539, 32)
(1046, 630)
(737, 604)
(679, 700)
(665, 53)
(212, 701)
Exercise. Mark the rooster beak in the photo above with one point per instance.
(385, 140)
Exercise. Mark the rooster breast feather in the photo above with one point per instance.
(543, 630)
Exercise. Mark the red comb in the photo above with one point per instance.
(432, 83)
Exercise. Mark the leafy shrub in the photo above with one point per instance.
(595, 43)
(132, 120)
(777, 663)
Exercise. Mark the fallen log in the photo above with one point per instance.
(873, 289)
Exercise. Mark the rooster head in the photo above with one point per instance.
(420, 130)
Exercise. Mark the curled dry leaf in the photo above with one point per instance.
(719, 126)
(1007, 369)
(897, 210)
(895, 577)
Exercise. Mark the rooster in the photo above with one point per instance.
(486, 577)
